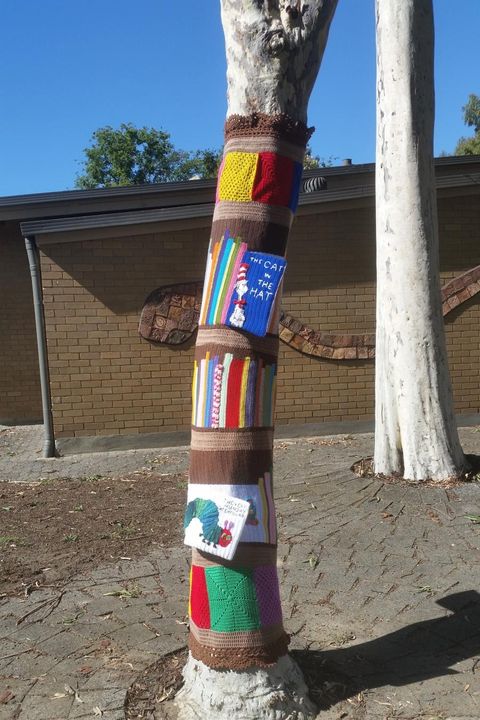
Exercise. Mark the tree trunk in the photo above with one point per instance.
(238, 664)
(415, 429)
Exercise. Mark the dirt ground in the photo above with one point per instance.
(52, 530)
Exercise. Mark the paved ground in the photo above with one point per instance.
(383, 579)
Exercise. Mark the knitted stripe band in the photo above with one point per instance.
(280, 127)
(263, 556)
(240, 658)
(232, 440)
(254, 211)
(238, 639)
(241, 467)
(232, 340)
(269, 237)
(264, 144)
(235, 611)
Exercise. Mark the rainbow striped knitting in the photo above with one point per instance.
(235, 611)
(229, 392)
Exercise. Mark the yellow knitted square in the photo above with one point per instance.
(238, 176)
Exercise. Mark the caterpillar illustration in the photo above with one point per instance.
(252, 513)
(207, 512)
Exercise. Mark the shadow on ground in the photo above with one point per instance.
(415, 653)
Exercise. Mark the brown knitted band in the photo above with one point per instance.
(258, 124)
(222, 466)
(265, 144)
(239, 658)
(267, 237)
(236, 340)
(256, 438)
(246, 555)
(256, 211)
(237, 639)
(236, 353)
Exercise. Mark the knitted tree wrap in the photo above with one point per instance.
(235, 610)
(265, 177)
(279, 127)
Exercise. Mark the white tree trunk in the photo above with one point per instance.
(415, 429)
(275, 693)
(274, 49)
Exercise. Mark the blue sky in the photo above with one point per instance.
(69, 67)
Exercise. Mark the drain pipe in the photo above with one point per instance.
(49, 449)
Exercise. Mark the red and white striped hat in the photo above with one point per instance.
(242, 272)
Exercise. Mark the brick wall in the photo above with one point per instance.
(330, 286)
(107, 380)
(459, 225)
(20, 400)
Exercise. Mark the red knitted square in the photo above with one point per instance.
(233, 393)
(199, 604)
(274, 179)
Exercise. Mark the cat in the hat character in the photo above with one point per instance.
(237, 318)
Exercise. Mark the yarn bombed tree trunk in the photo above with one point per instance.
(274, 50)
(235, 614)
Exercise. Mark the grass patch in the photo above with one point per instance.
(70, 538)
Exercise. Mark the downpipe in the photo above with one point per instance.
(49, 449)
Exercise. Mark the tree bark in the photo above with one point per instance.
(415, 429)
(274, 49)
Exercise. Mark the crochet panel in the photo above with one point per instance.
(265, 177)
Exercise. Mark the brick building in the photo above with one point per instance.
(102, 252)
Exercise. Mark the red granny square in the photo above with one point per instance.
(199, 605)
(274, 179)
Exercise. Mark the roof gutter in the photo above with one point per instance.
(308, 203)
(49, 449)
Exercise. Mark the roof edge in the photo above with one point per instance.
(183, 212)
(170, 188)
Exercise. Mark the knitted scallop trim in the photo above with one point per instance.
(240, 658)
(258, 124)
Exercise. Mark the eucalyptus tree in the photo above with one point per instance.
(238, 664)
(471, 117)
(415, 429)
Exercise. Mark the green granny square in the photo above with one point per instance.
(232, 599)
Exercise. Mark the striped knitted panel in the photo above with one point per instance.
(263, 177)
(235, 611)
(231, 392)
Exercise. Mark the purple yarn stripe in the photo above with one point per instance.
(268, 595)
(250, 399)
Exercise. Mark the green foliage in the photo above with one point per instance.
(471, 117)
(205, 163)
(312, 162)
(471, 112)
(468, 146)
(134, 156)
